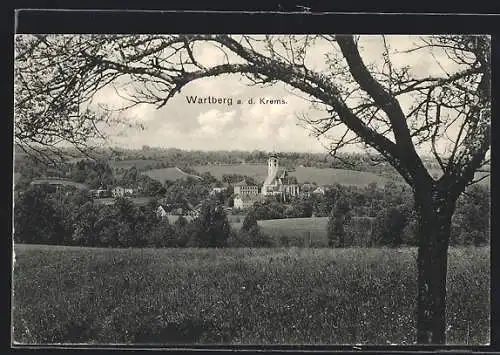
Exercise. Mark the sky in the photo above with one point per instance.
(261, 126)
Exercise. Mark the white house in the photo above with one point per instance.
(217, 190)
(161, 213)
(319, 191)
(243, 202)
(99, 193)
(118, 191)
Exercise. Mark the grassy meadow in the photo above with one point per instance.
(311, 230)
(129, 163)
(163, 174)
(321, 176)
(326, 176)
(237, 296)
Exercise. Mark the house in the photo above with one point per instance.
(129, 192)
(118, 191)
(161, 212)
(175, 209)
(179, 211)
(217, 190)
(319, 191)
(307, 187)
(243, 202)
(192, 213)
(100, 192)
(245, 188)
(279, 182)
(197, 210)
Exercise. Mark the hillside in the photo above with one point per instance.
(59, 182)
(139, 164)
(321, 176)
(169, 174)
(111, 200)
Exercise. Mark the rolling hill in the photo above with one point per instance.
(64, 182)
(321, 176)
(168, 174)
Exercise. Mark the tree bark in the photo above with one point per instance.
(434, 210)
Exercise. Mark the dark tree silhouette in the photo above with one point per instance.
(56, 76)
(212, 226)
(390, 224)
(336, 223)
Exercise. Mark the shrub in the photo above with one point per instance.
(389, 226)
(251, 234)
(339, 216)
(254, 238)
(211, 228)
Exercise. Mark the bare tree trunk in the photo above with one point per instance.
(434, 210)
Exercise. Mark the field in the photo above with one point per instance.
(304, 228)
(129, 163)
(167, 174)
(237, 296)
(111, 200)
(59, 182)
(321, 176)
(326, 176)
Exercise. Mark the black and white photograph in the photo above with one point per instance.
(251, 189)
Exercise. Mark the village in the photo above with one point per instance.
(151, 207)
(279, 183)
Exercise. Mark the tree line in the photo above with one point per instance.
(158, 158)
(69, 217)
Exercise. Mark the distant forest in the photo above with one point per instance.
(155, 158)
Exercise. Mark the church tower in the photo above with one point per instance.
(272, 165)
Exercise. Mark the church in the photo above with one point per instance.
(278, 182)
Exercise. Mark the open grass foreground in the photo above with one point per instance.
(237, 296)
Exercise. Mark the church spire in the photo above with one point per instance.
(274, 151)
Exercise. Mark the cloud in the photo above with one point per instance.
(255, 126)
(214, 121)
(423, 62)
